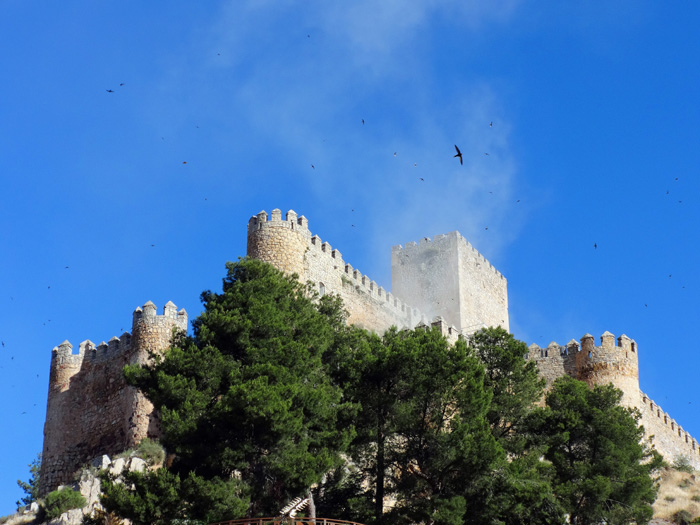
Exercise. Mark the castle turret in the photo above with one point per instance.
(281, 243)
(611, 362)
(90, 408)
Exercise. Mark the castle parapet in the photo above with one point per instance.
(90, 408)
(666, 435)
(288, 245)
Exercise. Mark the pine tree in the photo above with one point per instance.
(247, 398)
(602, 472)
(31, 487)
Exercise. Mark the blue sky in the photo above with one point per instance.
(219, 110)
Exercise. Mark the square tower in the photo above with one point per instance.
(447, 277)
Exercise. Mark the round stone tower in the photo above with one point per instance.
(281, 243)
(610, 363)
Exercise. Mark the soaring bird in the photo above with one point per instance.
(459, 154)
(110, 91)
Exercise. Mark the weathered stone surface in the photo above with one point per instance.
(137, 465)
(91, 410)
(117, 466)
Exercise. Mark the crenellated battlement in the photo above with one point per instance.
(291, 221)
(615, 361)
(665, 434)
(90, 409)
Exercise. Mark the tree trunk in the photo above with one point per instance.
(312, 505)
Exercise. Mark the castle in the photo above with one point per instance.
(441, 282)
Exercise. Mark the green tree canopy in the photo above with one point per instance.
(514, 382)
(602, 472)
(423, 439)
(31, 487)
(246, 401)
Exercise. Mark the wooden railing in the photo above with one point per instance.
(280, 520)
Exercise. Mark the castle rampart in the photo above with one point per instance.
(288, 245)
(667, 436)
(477, 298)
(616, 362)
(442, 282)
(90, 409)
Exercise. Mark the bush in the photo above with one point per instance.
(60, 501)
(682, 517)
(682, 464)
(150, 451)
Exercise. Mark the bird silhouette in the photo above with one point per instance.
(485, 153)
(110, 91)
(121, 84)
(459, 154)
(363, 122)
(313, 167)
(421, 178)
(595, 246)
(491, 125)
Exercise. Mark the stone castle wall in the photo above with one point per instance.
(90, 409)
(617, 364)
(289, 245)
(667, 436)
(442, 282)
(474, 293)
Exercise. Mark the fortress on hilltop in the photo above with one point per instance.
(441, 282)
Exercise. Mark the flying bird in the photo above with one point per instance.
(313, 167)
(459, 154)
(421, 178)
(121, 84)
(394, 154)
(491, 125)
(184, 162)
(595, 245)
(112, 91)
(363, 122)
(485, 153)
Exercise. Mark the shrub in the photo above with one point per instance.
(669, 498)
(682, 517)
(695, 498)
(60, 501)
(150, 451)
(685, 484)
(682, 464)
